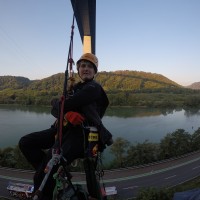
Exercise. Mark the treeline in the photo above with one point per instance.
(174, 144)
(157, 98)
(124, 88)
(126, 154)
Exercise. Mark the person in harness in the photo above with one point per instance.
(85, 108)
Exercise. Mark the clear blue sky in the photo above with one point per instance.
(157, 36)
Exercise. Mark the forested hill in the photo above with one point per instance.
(124, 88)
(111, 81)
(133, 80)
(13, 82)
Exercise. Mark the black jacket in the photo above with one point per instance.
(87, 93)
(89, 99)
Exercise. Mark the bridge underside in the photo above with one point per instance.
(85, 14)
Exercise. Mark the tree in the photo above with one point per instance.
(7, 158)
(175, 144)
(142, 153)
(118, 149)
(196, 140)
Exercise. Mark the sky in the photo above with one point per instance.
(157, 36)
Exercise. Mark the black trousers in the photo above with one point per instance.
(32, 146)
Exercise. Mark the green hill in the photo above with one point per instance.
(133, 80)
(118, 80)
(124, 88)
(13, 82)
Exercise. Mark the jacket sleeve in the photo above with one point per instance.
(88, 94)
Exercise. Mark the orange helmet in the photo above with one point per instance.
(91, 58)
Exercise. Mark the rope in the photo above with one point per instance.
(56, 153)
(69, 70)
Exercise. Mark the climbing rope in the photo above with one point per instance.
(67, 89)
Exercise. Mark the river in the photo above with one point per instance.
(133, 124)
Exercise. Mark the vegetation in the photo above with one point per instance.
(126, 154)
(13, 158)
(124, 88)
(172, 145)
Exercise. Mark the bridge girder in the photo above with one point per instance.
(85, 14)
